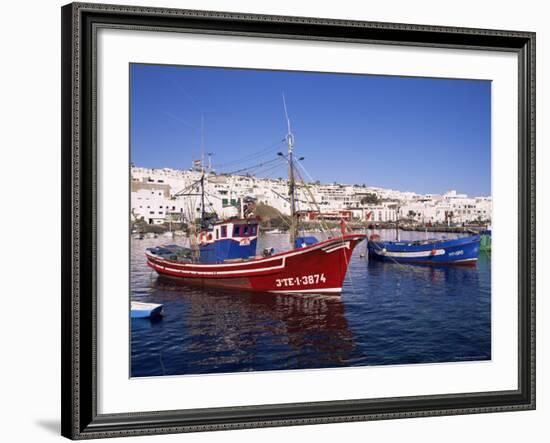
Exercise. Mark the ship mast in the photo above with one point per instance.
(202, 200)
(202, 172)
(291, 181)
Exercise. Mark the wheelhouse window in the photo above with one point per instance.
(245, 230)
(237, 231)
(223, 232)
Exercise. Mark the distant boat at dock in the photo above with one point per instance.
(460, 251)
(273, 231)
(486, 240)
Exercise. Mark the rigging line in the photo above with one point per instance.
(213, 195)
(271, 178)
(306, 172)
(284, 197)
(268, 162)
(283, 219)
(325, 226)
(377, 246)
(189, 97)
(189, 187)
(270, 169)
(252, 167)
(258, 172)
(261, 163)
(180, 120)
(321, 220)
(307, 186)
(348, 268)
(248, 160)
(252, 155)
(208, 200)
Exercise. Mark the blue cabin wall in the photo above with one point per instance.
(225, 249)
(233, 240)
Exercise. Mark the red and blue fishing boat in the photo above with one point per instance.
(459, 251)
(223, 254)
(317, 268)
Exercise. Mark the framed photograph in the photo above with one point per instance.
(273, 221)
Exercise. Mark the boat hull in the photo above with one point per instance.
(319, 268)
(145, 310)
(461, 251)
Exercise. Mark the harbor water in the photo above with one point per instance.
(387, 314)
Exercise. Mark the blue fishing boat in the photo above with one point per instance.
(459, 251)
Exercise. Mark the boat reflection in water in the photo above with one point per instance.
(212, 331)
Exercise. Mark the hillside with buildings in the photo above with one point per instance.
(168, 195)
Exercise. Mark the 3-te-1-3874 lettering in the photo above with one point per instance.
(304, 280)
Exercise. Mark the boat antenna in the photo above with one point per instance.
(398, 210)
(202, 200)
(202, 142)
(291, 181)
(209, 154)
(202, 173)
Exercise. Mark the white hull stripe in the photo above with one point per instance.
(218, 273)
(337, 247)
(420, 254)
(318, 291)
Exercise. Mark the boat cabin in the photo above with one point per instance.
(228, 240)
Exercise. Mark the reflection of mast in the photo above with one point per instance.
(291, 183)
(314, 329)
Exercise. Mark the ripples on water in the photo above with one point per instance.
(387, 314)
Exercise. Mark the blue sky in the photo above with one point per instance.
(412, 134)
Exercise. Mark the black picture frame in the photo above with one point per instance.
(79, 207)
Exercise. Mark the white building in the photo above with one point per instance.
(159, 195)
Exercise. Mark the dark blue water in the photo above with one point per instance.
(387, 314)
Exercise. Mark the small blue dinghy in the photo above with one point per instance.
(145, 310)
